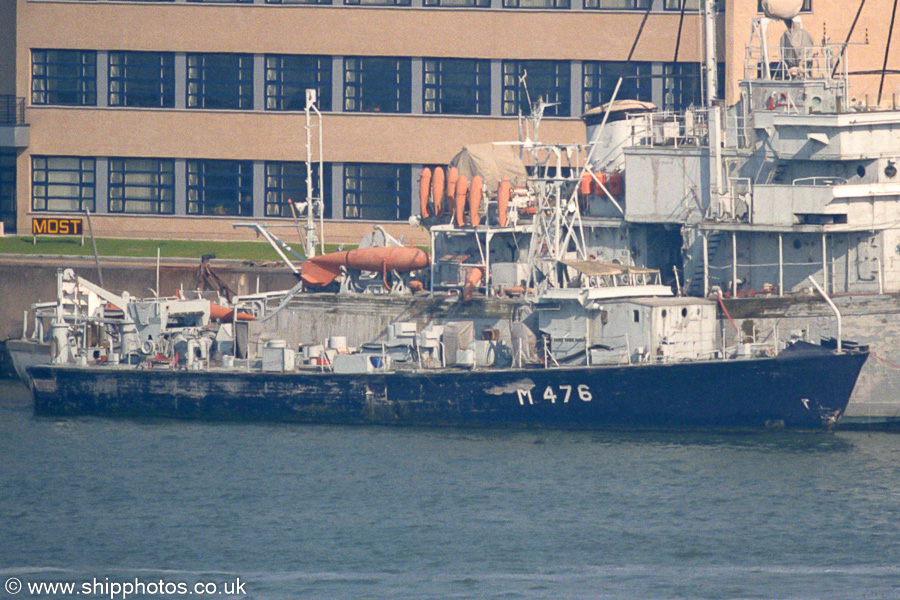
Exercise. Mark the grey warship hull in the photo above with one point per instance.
(804, 387)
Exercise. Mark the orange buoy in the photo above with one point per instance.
(503, 193)
(616, 184)
(460, 195)
(416, 286)
(475, 193)
(437, 191)
(424, 190)
(473, 280)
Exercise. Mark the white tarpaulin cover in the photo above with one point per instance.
(492, 162)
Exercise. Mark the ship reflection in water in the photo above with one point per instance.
(359, 512)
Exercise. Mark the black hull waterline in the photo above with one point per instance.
(800, 389)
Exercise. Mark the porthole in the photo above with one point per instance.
(861, 171)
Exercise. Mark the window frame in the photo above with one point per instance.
(591, 95)
(275, 81)
(439, 68)
(275, 205)
(206, 169)
(513, 97)
(83, 83)
(635, 5)
(165, 82)
(202, 85)
(401, 178)
(86, 184)
(364, 93)
(164, 191)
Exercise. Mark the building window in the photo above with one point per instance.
(375, 191)
(457, 86)
(220, 187)
(289, 76)
(8, 189)
(144, 79)
(298, 1)
(142, 186)
(617, 4)
(224, 1)
(536, 4)
(682, 86)
(377, 84)
(377, 2)
(545, 80)
(220, 81)
(677, 5)
(64, 77)
(286, 183)
(459, 3)
(62, 183)
(807, 6)
(600, 79)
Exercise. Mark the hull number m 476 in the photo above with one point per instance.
(558, 394)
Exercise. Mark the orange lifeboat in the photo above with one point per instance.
(437, 191)
(217, 311)
(460, 196)
(424, 190)
(322, 270)
(473, 280)
(475, 193)
(503, 193)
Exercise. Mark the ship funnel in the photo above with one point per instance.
(613, 137)
(782, 9)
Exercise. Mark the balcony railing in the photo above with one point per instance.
(12, 110)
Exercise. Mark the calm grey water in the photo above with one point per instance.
(336, 512)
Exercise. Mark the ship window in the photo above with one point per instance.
(861, 171)
(457, 86)
(637, 316)
(220, 81)
(599, 80)
(143, 79)
(548, 80)
(377, 84)
(219, 187)
(64, 77)
(684, 312)
(289, 76)
(665, 313)
(617, 4)
(142, 185)
(377, 191)
(62, 183)
(797, 244)
(286, 183)
(890, 171)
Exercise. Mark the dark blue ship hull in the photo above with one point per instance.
(804, 387)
